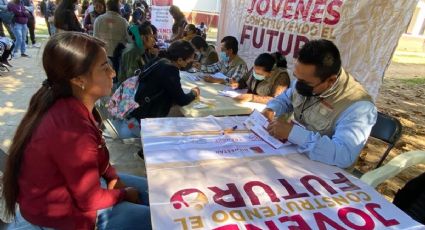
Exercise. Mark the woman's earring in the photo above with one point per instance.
(82, 87)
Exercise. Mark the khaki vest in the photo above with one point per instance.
(268, 85)
(320, 114)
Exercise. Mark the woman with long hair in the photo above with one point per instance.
(65, 18)
(58, 169)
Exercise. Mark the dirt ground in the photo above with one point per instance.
(401, 96)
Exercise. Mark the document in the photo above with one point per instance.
(229, 92)
(220, 75)
(258, 123)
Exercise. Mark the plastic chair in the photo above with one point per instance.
(393, 167)
(387, 129)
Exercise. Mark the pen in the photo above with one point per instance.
(230, 130)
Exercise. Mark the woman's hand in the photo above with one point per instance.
(244, 97)
(196, 91)
(132, 195)
(115, 184)
(211, 79)
(233, 83)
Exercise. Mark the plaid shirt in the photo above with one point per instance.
(236, 69)
(213, 68)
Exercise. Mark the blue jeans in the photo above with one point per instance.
(124, 215)
(20, 32)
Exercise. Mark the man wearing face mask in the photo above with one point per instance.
(205, 55)
(233, 66)
(334, 112)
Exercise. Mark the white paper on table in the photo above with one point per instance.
(257, 118)
(220, 75)
(263, 134)
(230, 92)
(258, 123)
(189, 76)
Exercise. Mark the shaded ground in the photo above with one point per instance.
(401, 96)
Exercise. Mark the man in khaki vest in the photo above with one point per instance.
(333, 114)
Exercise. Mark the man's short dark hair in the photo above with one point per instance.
(199, 42)
(113, 5)
(324, 55)
(180, 49)
(230, 42)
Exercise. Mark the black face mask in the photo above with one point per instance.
(304, 89)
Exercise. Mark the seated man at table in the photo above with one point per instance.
(206, 56)
(333, 113)
(233, 66)
(266, 80)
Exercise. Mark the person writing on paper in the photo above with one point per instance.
(266, 80)
(233, 66)
(58, 168)
(206, 57)
(334, 112)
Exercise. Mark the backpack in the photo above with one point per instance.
(123, 102)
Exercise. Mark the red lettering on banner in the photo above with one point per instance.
(276, 8)
(287, 8)
(299, 42)
(371, 208)
(342, 179)
(272, 34)
(303, 10)
(227, 227)
(266, 8)
(322, 221)
(232, 191)
(305, 180)
(368, 225)
(244, 33)
(292, 194)
(334, 13)
(254, 198)
(258, 44)
(302, 224)
(318, 10)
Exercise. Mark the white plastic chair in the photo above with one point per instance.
(393, 167)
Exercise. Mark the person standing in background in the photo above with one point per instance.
(20, 28)
(65, 18)
(3, 7)
(29, 6)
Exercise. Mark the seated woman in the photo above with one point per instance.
(99, 9)
(137, 53)
(159, 89)
(267, 79)
(206, 57)
(58, 168)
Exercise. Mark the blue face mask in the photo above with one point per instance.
(224, 57)
(258, 77)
